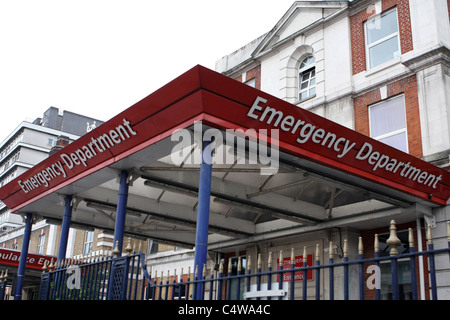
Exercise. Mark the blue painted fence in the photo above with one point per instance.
(95, 278)
(126, 278)
(3, 284)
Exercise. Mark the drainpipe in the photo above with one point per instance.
(121, 211)
(204, 196)
(23, 256)
(65, 227)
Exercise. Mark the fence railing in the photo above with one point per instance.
(279, 284)
(3, 284)
(126, 278)
(96, 277)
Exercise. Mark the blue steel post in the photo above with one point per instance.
(394, 273)
(23, 257)
(204, 195)
(65, 227)
(377, 285)
(292, 282)
(269, 274)
(238, 280)
(220, 284)
(280, 274)
(249, 273)
(211, 285)
(121, 211)
(258, 278)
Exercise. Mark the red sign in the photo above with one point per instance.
(34, 261)
(218, 101)
(298, 263)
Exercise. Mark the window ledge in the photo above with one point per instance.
(383, 66)
(299, 102)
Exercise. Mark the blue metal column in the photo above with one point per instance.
(204, 195)
(121, 211)
(23, 257)
(65, 227)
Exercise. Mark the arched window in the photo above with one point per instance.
(307, 78)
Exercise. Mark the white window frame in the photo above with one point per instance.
(300, 74)
(41, 244)
(379, 41)
(391, 133)
(88, 242)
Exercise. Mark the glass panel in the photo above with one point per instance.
(398, 141)
(251, 82)
(387, 117)
(306, 62)
(403, 268)
(305, 76)
(234, 282)
(404, 280)
(384, 51)
(388, 123)
(303, 95)
(382, 27)
(308, 80)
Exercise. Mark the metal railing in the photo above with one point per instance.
(126, 278)
(3, 284)
(290, 283)
(95, 277)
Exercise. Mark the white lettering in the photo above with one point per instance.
(74, 280)
(67, 160)
(363, 153)
(78, 157)
(374, 280)
(346, 149)
(255, 106)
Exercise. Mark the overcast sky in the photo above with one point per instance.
(99, 57)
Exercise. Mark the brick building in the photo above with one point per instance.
(378, 67)
(377, 74)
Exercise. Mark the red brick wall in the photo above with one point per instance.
(448, 8)
(254, 73)
(357, 31)
(407, 87)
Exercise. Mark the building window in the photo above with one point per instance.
(388, 123)
(382, 38)
(251, 82)
(234, 282)
(88, 242)
(307, 78)
(41, 242)
(403, 268)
